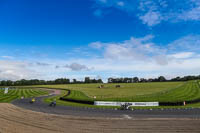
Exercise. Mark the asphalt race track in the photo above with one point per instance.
(40, 106)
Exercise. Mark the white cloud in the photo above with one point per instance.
(134, 57)
(146, 6)
(77, 67)
(103, 1)
(74, 66)
(96, 45)
(193, 14)
(15, 70)
(161, 59)
(135, 49)
(42, 64)
(142, 51)
(163, 3)
(186, 43)
(153, 12)
(120, 3)
(151, 18)
(182, 55)
(7, 57)
(107, 68)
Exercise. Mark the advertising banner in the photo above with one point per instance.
(107, 103)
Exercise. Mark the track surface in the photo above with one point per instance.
(18, 120)
(63, 119)
(40, 106)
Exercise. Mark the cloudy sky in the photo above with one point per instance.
(50, 39)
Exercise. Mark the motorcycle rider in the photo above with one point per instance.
(32, 100)
(53, 103)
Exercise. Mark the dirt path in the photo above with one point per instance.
(17, 120)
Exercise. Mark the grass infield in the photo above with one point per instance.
(128, 92)
(20, 92)
(176, 92)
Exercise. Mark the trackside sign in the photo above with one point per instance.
(103, 103)
(6, 91)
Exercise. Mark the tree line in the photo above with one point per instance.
(49, 82)
(89, 80)
(159, 79)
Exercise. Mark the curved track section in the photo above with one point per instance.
(40, 106)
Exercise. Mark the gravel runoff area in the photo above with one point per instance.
(22, 117)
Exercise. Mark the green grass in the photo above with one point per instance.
(61, 102)
(18, 93)
(78, 95)
(137, 92)
(111, 92)
(186, 92)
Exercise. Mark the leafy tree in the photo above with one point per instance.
(161, 79)
(87, 80)
(135, 79)
(74, 81)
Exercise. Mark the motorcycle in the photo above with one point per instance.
(125, 106)
(52, 104)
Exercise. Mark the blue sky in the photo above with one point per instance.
(48, 39)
